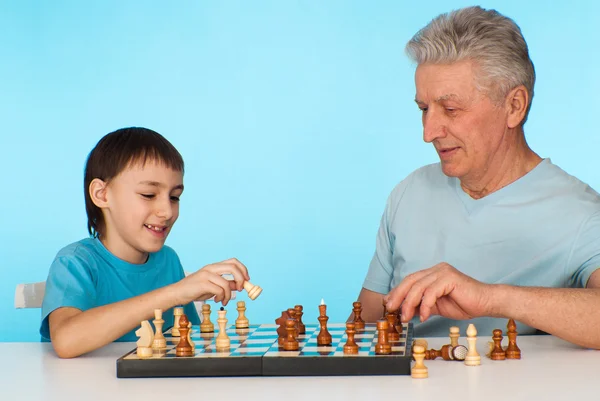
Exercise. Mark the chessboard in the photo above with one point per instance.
(255, 352)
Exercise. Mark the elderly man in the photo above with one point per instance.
(493, 231)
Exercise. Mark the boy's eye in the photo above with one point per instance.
(175, 198)
(148, 196)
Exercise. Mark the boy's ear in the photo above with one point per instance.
(98, 193)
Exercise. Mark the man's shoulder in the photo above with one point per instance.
(422, 179)
(557, 181)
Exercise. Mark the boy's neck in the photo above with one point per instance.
(124, 251)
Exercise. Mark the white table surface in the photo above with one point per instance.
(550, 369)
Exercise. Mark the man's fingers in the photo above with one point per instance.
(432, 293)
(396, 297)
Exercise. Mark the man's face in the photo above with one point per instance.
(143, 205)
(463, 124)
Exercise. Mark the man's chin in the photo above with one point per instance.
(451, 169)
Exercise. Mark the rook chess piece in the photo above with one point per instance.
(512, 351)
(473, 358)
(144, 344)
(222, 342)
(497, 354)
(159, 345)
(323, 338)
(299, 313)
(350, 347)
(382, 347)
(206, 326)
(177, 312)
(359, 323)
(253, 290)
(454, 335)
(290, 343)
(183, 347)
(241, 322)
(419, 371)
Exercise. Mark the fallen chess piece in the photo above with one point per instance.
(253, 290)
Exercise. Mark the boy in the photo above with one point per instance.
(99, 289)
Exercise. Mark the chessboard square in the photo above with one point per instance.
(258, 341)
(319, 349)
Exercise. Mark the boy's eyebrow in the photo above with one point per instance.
(158, 184)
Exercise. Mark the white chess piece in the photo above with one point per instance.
(473, 358)
(253, 290)
(146, 338)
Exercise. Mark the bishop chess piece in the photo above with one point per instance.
(253, 290)
(473, 358)
(350, 348)
(183, 347)
(419, 371)
(512, 351)
(382, 347)
(359, 323)
(241, 322)
(144, 344)
(177, 312)
(497, 354)
(159, 344)
(206, 326)
(189, 337)
(299, 313)
(323, 338)
(290, 343)
(222, 342)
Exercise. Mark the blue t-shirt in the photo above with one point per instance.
(541, 230)
(86, 275)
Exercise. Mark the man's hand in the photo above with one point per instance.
(440, 290)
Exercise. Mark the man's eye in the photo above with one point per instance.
(423, 109)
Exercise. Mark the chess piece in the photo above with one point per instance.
(290, 343)
(359, 323)
(281, 331)
(299, 313)
(159, 344)
(323, 338)
(497, 354)
(420, 341)
(454, 335)
(177, 312)
(419, 371)
(144, 344)
(253, 290)
(384, 303)
(222, 341)
(382, 347)
(206, 326)
(512, 351)
(183, 347)
(393, 335)
(473, 358)
(189, 337)
(444, 353)
(241, 322)
(399, 322)
(459, 353)
(292, 315)
(350, 347)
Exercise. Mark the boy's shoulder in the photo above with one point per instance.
(85, 248)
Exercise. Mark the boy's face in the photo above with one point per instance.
(142, 204)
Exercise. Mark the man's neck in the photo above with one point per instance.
(505, 168)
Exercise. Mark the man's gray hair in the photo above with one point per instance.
(492, 40)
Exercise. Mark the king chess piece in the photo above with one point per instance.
(323, 338)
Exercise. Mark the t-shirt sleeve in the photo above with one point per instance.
(585, 255)
(69, 284)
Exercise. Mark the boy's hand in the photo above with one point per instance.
(208, 281)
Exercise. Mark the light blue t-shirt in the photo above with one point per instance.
(86, 275)
(541, 230)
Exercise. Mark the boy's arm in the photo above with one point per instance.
(75, 332)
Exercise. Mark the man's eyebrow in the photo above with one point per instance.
(159, 185)
(449, 96)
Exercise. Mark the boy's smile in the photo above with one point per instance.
(142, 204)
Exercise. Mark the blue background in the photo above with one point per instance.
(295, 119)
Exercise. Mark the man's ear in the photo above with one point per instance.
(98, 193)
(516, 105)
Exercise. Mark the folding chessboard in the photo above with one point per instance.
(255, 352)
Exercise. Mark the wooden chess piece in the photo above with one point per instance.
(459, 353)
(189, 337)
(473, 358)
(393, 335)
(454, 335)
(420, 341)
(281, 331)
(159, 345)
(497, 354)
(222, 342)
(359, 323)
(382, 347)
(399, 322)
(323, 338)
(290, 343)
(383, 315)
(241, 322)
(445, 353)
(177, 312)
(419, 371)
(350, 347)
(299, 313)
(206, 326)
(253, 290)
(512, 351)
(146, 338)
(183, 347)
(292, 315)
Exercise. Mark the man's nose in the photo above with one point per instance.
(433, 126)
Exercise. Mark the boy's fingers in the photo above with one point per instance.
(240, 265)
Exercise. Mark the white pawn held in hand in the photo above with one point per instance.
(473, 358)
